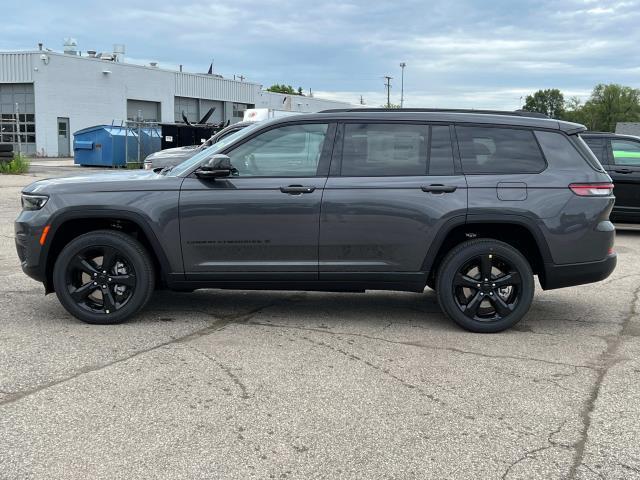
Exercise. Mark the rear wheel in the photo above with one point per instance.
(485, 285)
(103, 277)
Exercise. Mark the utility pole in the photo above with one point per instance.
(361, 100)
(241, 77)
(387, 84)
(402, 65)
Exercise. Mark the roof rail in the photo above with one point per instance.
(516, 113)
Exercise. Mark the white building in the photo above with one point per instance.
(56, 94)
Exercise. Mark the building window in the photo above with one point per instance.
(21, 129)
(238, 110)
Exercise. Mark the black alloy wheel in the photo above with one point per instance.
(485, 285)
(487, 288)
(103, 277)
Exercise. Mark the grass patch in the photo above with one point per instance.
(134, 165)
(19, 164)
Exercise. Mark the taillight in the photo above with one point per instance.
(592, 189)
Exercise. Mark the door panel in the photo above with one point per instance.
(381, 209)
(63, 137)
(262, 223)
(373, 224)
(246, 225)
(625, 173)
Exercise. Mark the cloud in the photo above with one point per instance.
(480, 54)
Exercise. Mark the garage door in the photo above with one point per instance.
(143, 110)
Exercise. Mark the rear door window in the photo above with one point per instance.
(384, 149)
(495, 150)
(626, 152)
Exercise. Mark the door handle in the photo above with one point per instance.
(297, 189)
(624, 170)
(438, 188)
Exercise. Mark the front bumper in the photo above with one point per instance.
(29, 250)
(559, 276)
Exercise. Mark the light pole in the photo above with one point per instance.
(402, 65)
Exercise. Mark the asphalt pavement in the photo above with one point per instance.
(236, 385)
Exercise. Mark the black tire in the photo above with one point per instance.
(6, 147)
(486, 303)
(79, 280)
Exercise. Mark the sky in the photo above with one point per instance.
(459, 53)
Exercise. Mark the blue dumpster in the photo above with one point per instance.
(112, 145)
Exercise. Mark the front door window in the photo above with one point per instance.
(290, 151)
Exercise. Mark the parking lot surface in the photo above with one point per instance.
(231, 384)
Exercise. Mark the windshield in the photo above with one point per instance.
(209, 151)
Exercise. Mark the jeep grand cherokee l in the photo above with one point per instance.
(472, 204)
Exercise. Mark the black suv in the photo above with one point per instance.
(620, 156)
(471, 204)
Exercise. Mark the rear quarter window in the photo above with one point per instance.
(562, 151)
(495, 150)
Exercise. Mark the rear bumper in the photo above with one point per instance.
(559, 276)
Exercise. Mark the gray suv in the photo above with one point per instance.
(472, 204)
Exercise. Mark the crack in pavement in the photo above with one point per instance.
(234, 378)
(607, 359)
(629, 467)
(532, 453)
(422, 345)
(402, 381)
(617, 279)
(218, 324)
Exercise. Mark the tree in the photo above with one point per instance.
(286, 89)
(610, 104)
(549, 102)
(575, 111)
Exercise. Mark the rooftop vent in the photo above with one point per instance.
(70, 46)
(118, 52)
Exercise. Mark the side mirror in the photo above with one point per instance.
(217, 166)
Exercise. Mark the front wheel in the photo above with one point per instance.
(485, 286)
(103, 277)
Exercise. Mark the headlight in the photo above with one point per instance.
(33, 202)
